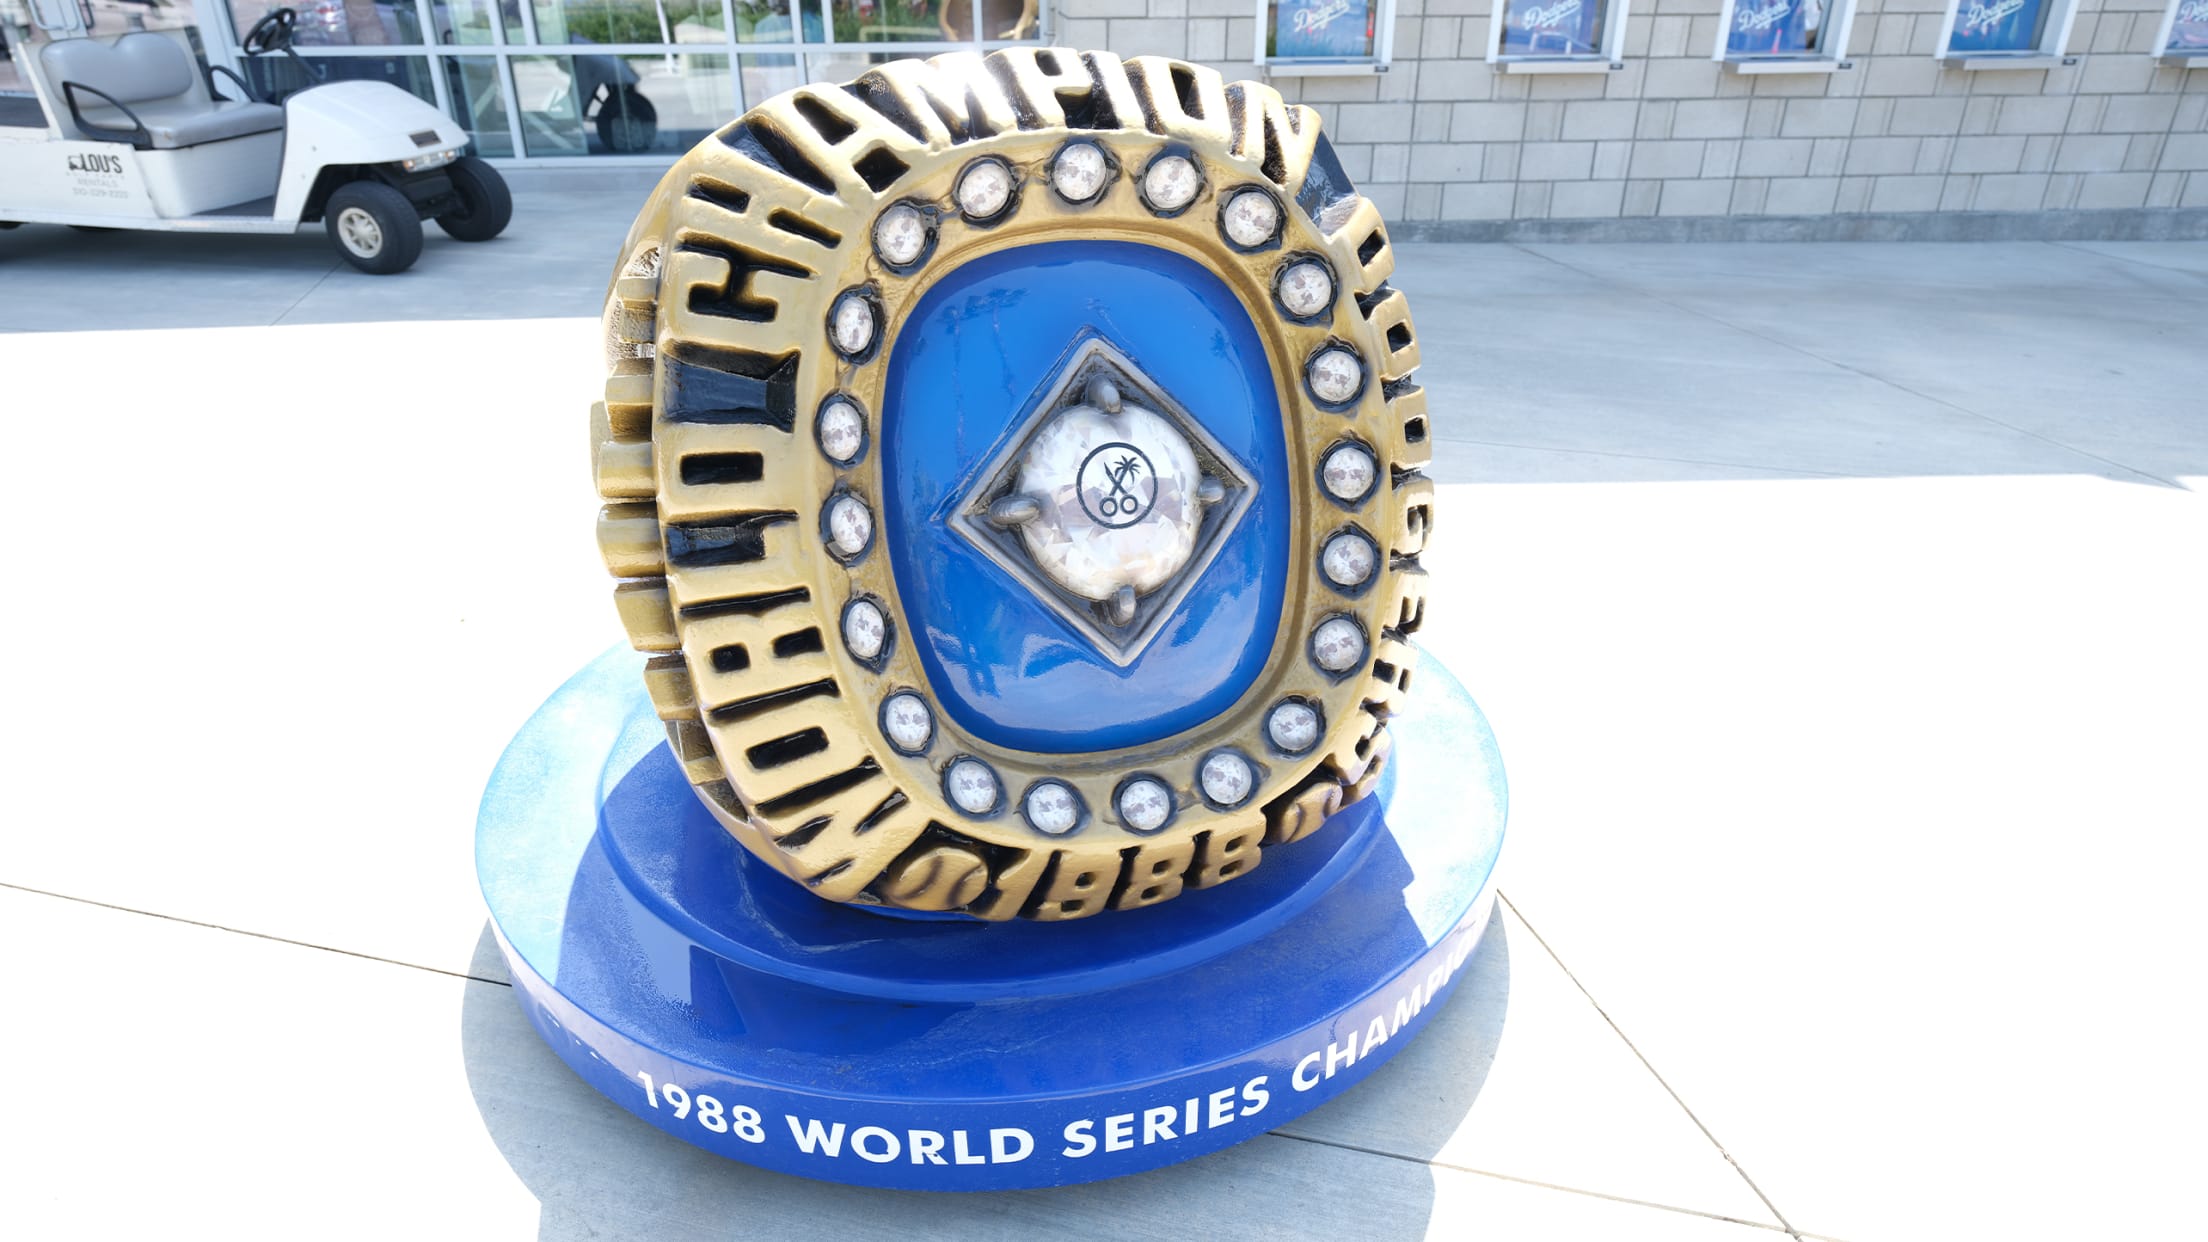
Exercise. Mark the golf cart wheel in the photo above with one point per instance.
(485, 205)
(374, 227)
(628, 122)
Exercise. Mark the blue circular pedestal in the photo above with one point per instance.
(711, 996)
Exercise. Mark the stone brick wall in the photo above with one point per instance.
(1444, 141)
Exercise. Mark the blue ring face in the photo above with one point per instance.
(970, 362)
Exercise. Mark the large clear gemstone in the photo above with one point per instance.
(1145, 805)
(1293, 726)
(1078, 172)
(1051, 807)
(842, 431)
(1171, 182)
(1226, 778)
(1347, 559)
(864, 629)
(900, 234)
(972, 786)
(1306, 288)
(1336, 375)
(1348, 472)
(1104, 500)
(1251, 218)
(1338, 645)
(1118, 500)
(984, 188)
(853, 324)
(850, 525)
(908, 722)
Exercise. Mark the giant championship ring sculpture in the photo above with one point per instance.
(1013, 467)
(1013, 476)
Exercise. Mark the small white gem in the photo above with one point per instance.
(1347, 560)
(854, 325)
(973, 786)
(1226, 778)
(842, 431)
(1336, 375)
(900, 234)
(1306, 289)
(984, 188)
(907, 721)
(1171, 183)
(850, 525)
(864, 629)
(1051, 808)
(1348, 472)
(1251, 217)
(1144, 805)
(1293, 726)
(1078, 172)
(1338, 645)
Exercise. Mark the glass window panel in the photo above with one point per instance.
(629, 21)
(1000, 19)
(621, 105)
(1320, 29)
(768, 21)
(338, 23)
(1780, 27)
(468, 22)
(477, 105)
(21, 108)
(1999, 25)
(281, 75)
(1553, 27)
(839, 67)
(109, 18)
(888, 21)
(2189, 33)
(766, 76)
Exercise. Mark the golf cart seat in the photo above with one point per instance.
(143, 89)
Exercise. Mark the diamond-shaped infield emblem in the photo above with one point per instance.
(1107, 501)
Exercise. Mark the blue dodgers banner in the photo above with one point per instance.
(2189, 27)
(1997, 26)
(1776, 28)
(1322, 29)
(1553, 28)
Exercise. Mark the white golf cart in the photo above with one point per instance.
(137, 136)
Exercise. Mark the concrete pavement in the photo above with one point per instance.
(1837, 607)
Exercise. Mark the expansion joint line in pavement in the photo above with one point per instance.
(1653, 1072)
(1527, 1181)
(1872, 376)
(240, 931)
(319, 282)
(1783, 1225)
(2135, 261)
(1675, 461)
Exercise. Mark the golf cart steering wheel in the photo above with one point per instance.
(272, 33)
